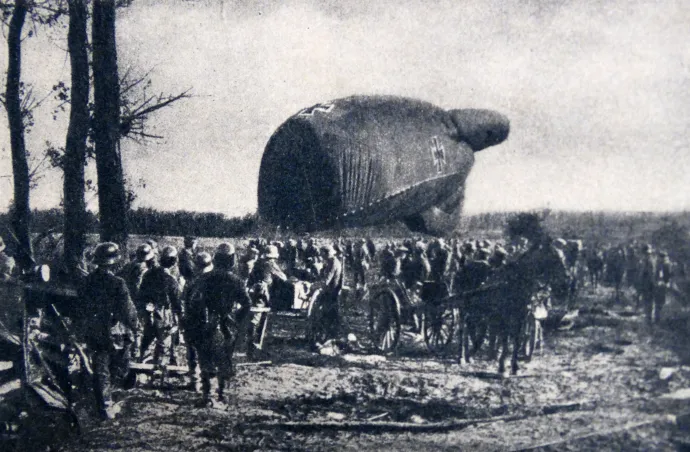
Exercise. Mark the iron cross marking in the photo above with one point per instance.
(325, 107)
(438, 153)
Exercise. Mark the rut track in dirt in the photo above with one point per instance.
(595, 387)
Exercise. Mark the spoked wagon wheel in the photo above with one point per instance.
(317, 331)
(439, 324)
(384, 320)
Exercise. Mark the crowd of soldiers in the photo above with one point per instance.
(207, 298)
(639, 267)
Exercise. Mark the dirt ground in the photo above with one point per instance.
(598, 386)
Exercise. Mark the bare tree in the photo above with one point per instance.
(21, 210)
(106, 125)
(74, 159)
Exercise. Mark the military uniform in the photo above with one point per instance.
(390, 264)
(214, 322)
(663, 276)
(332, 283)
(646, 283)
(440, 263)
(160, 305)
(360, 261)
(106, 303)
(186, 265)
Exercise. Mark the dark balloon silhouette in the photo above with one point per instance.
(366, 160)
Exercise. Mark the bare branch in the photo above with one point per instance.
(162, 102)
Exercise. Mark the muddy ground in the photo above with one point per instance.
(598, 386)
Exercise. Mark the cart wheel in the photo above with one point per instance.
(316, 323)
(439, 324)
(384, 320)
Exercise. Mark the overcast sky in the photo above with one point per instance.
(598, 92)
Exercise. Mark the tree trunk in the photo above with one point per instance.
(21, 211)
(77, 133)
(106, 126)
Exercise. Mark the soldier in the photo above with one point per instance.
(159, 293)
(133, 272)
(261, 283)
(186, 261)
(632, 265)
(498, 258)
(646, 282)
(203, 264)
(215, 321)
(595, 264)
(360, 263)
(371, 247)
(105, 303)
(664, 273)
(311, 251)
(6, 263)
(330, 286)
(248, 262)
(474, 273)
(291, 256)
(390, 262)
(416, 269)
(615, 268)
(440, 261)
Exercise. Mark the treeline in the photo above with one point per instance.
(150, 222)
(613, 227)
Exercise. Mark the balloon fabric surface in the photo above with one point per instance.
(365, 160)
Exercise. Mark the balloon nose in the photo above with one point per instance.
(480, 128)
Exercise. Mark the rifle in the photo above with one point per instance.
(74, 342)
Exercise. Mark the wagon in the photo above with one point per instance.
(428, 309)
(295, 299)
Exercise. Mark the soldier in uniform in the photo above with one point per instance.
(390, 262)
(248, 262)
(261, 283)
(291, 256)
(214, 320)
(159, 294)
(133, 272)
(663, 275)
(6, 262)
(186, 261)
(646, 282)
(416, 269)
(440, 261)
(615, 268)
(331, 284)
(360, 263)
(203, 264)
(105, 303)
(475, 272)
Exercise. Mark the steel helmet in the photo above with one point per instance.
(145, 253)
(225, 249)
(107, 253)
(169, 252)
(203, 260)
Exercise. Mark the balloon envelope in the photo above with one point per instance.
(366, 160)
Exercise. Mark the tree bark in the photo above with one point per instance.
(21, 210)
(106, 127)
(77, 133)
